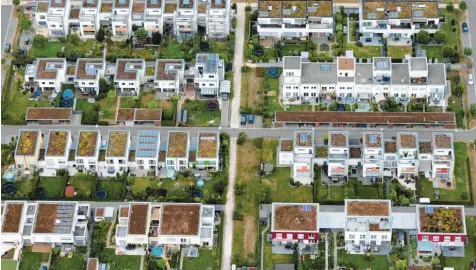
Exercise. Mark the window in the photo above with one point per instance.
(151, 162)
(289, 236)
(182, 162)
(424, 238)
(279, 235)
(436, 238)
(141, 168)
(384, 237)
(300, 236)
(351, 236)
(457, 239)
(306, 94)
(373, 236)
(288, 94)
(182, 240)
(295, 94)
(447, 239)
(313, 94)
(362, 236)
(170, 162)
(290, 74)
(311, 236)
(79, 161)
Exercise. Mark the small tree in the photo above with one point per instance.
(16, 2)
(25, 23)
(101, 35)
(152, 105)
(134, 27)
(74, 39)
(242, 138)
(156, 38)
(458, 90)
(470, 64)
(423, 37)
(464, 195)
(450, 7)
(473, 109)
(440, 36)
(111, 94)
(448, 51)
(161, 263)
(462, 5)
(435, 262)
(468, 52)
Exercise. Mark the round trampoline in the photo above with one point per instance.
(212, 105)
(9, 189)
(65, 103)
(162, 193)
(200, 183)
(273, 72)
(40, 192)
(100, 194)
(9, 176)
(37, 93)
(196, 193)
(68, 94)
(157, 251)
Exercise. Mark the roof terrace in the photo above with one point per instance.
(294, 9)
(428, 9)
(303, 138)
(319, 8)
(270, 9)
(398, 9)
(373, 140)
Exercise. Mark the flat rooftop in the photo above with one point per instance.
(295, 217)
(287, 145)
(148, 115)
(443, 140)
(441, 219)
(207, 145)
(47, 69)
(138, 218)
(373, 140)
(368, 208)
(304, 138)
(117, 143)
(57, 143)
(425, 147)
(366, 117)
(180, 219)
(54, 218)
(27, 142)
(390, 147)
(338, 139)
(346, 63)
(125, 114)
(87, 143)
(177, 146)
(321, 8)
(374, 10)
(88, 69)
(12, 217)
(38, 113)
(167, 69)
(270, 9)
(127, 69)
(407, 140)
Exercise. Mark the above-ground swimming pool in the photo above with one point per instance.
(273, 72)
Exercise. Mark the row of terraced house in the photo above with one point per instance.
(396, 21)
(58, 18)
(148, 153)
(368, 226)
(130, 76)
(140, 225)
(348, 81)
(371, 156)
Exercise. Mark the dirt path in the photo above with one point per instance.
(108, 241)
(250, 235)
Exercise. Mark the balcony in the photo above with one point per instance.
(295, 26)
(320, 26)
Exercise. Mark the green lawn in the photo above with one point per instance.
(299, 108)
(107, 110)
(54, 186)
(365, 51)
(119, 262)
(85, 185)
(454, 102)
(199, 115)
(366, 191)
(282, 191)
(32, 260)
(292, 49)
(129, 102)
(469, 250)
(426, 189)
(118, 49)
(360, 263)
(175, 188)
(9, 265)
(433, 51)
(140, 184)
(206, 260)
(398, 52)
(16, 103)
(24, 188)
(47, 49)
(114, 188)
(270, 259)
(451, 38)
(90, 115)
(172, 50)
(77, 262)
(353, 25)
(148, 53)
(84, 47)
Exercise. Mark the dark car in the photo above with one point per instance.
(465, 27)
(251, 119)
(243, 119)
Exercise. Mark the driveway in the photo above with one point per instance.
(237, 64)
(7, 11)
(225, 113)
(468, 40)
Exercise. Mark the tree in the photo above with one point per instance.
(423, 37)
(440, 36)
(152, 105)
(462, 5)
(25, 23)
(473, 109)
(219, 186)
(450, 7)
(71, 55)
(156, 38)
(134, 27)
(16, 2)
(458, 90)
(464, 194)
(141, 34)
(435, 262)
(161, 263)
(111, 94)
(449, 51)
(401, 265)
(403, 200)
(468, 52)
(74, 39)
(100, 35)
(242, 138)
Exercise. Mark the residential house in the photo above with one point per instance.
(407, 149)
(12, 220)
(208, 151)
(153, 21)
(443, 162)
(88, 23)
(185, 18)
(295, 223)
(441, 229)
(49, 75)
(27, 150)
(57, 18)
(345, 79)
(303, 149)
(178, 145)
(218, 21)
(138, 13)
(87, 74)
(87, 154)
(117, 152)
(337, 165)
(209, 71)
(129, 76)
(397, 21)
(147, 152)
(368, 225)
(56, 154)
(169, 75)
(121, 16)
(373, 155)
(48, 115)
(133, 228)
(295, 19)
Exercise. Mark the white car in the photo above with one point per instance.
(470, 79)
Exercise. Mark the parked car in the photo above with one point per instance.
(6, 48)
(251, 119)
(470, 79)
(465, 28)
(243, 119)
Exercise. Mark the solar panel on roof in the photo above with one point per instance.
(372, 15)
(382, 65)
(154, 1)
(306, 208)
(373, 138)
(325, 68)
(303, 137)
(418, 13)
(428, 210)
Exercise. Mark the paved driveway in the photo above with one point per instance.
(468, 40)
(6, 15)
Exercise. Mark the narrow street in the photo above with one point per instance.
(237, 64)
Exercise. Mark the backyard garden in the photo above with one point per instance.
(199, 115)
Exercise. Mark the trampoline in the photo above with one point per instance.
(212, 105)
(65, 103)
(157, 251)
(68, 94)
(100, 194)
(162, 193)
(196, 193)
(37, 93)
(200, 183)
(9, 176)
(273, 72)
(40, 192)
(9, 189)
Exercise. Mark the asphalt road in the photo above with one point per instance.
(7, 11)
(470, 40)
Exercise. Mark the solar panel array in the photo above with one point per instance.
(306, 208)
(418, 13)
(428, 210)
(64, 218)
(303, 137)
(372, 15)
(383, 65)
(147, 143)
